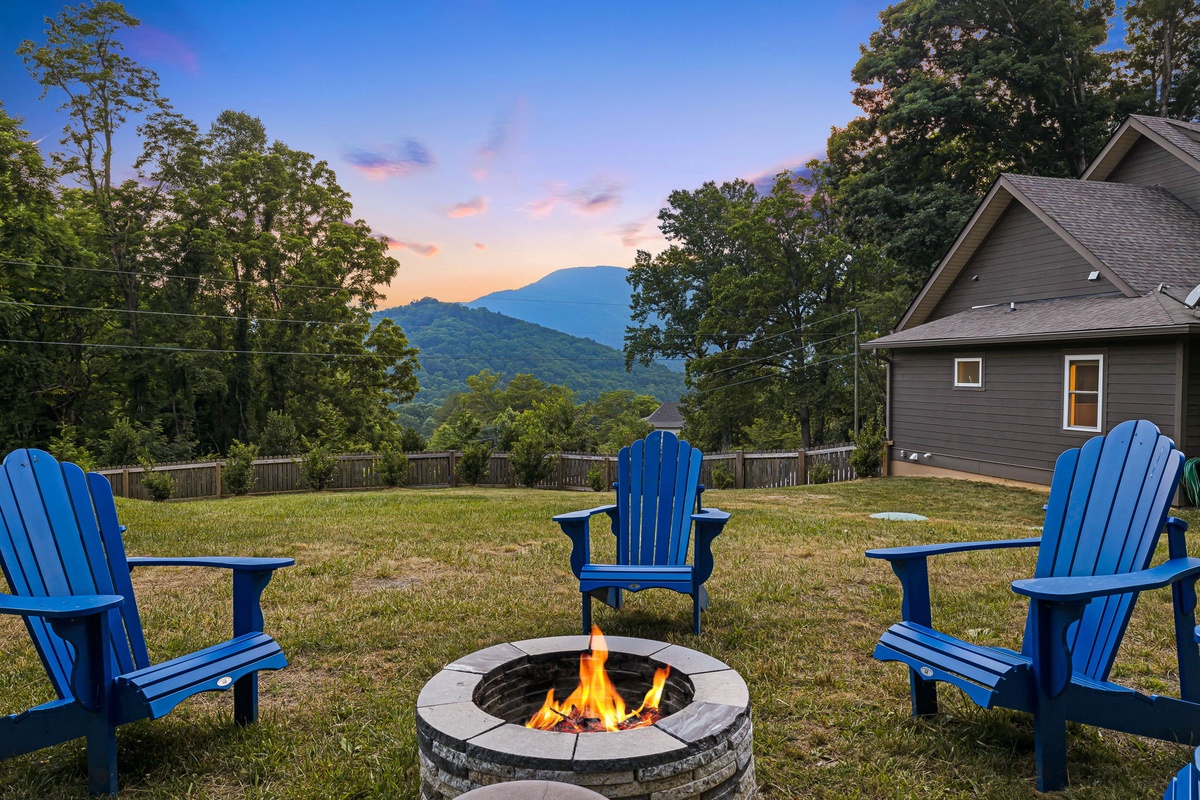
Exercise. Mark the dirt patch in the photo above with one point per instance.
(403, 574)
(511, 549)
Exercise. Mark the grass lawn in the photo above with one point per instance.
(390, 586)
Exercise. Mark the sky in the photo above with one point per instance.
(494, 142)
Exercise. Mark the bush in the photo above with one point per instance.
(595, 479)
(279, 436)
(237, 477)
(393, 464)
(475, 464)
(318, 468)
(867, 458)
(530, 458)
(722, 476)
(157, 485)
(411, 441)
(820, 473)
(66, 447)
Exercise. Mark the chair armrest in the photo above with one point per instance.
(1085, 587)
(923, 550)
(220, 562)
(59, 607)
(709, 523)
(575, 524)
(250, 577)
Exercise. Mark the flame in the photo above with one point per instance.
(595, 704)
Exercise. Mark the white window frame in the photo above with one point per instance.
(957, 384)
(1066, 417)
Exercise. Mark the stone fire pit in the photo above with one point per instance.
(471, 724)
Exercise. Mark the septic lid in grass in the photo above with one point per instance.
(902, 516)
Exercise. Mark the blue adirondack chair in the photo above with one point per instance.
(1186, 783)
(62, 553)
(1108, 504)
(657, 490)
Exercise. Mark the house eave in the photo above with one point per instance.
(1039, 338)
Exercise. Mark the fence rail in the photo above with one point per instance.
(738, 470)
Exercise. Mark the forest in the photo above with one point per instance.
(223, 296)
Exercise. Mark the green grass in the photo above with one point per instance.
(390, 586)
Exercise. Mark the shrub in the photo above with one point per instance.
(820, 473)
(411, 441)
(237, 477)
(595, 479)
(318, 468)
(279, 436)
(65, 447)
(157, 485)
(393, 465)
(722, 476)
(475, 464)
(867, 458)
(530, 458)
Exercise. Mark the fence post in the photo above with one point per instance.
(802, 467)
(739, 469)
(218, 480)
(125, 483)
(884, 464)
(560, 472)
(451, 458)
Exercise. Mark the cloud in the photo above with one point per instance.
(480, 246)
(764, 181)
(155, 44)
(591, 199)
(499, 139)
(393, 162)
(631, 233)
(424, 250)
(469, 208)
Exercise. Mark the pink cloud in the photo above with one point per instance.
(591, 199)
(424, 250)
(155, 44)
(631, 234)
(469, 208)
(499, 139)
(480, 246)
(391, 162)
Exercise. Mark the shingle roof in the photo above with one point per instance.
(666, 415)
(1142, 233)
(1184, 135)
(1075, 317)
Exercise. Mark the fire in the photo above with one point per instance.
(595, 704)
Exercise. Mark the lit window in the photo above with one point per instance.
(968, 373)
(1083, 400)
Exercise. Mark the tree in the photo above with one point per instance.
(1161, 72)
(954, 93)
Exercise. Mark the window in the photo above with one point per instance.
(968, 373)
(1083, 396)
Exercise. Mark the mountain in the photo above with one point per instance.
(588, 302)
(456, 341)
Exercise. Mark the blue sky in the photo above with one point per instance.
(495, 142)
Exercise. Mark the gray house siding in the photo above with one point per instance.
(1147, 164)
(1191, 399)
(1021, 260)
(1012, 428)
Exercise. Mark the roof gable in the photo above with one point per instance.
(1180, 139)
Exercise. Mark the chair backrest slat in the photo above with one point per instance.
(1108, 504)
(53, 546)
(657, 479)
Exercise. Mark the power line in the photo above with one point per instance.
(780, 353)
(170, 313)
(157, 275)
(768, 377)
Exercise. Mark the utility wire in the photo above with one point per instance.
(156, 275)
(768, 377)
(780, 353)
(20, 304)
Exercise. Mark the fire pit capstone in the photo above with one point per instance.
(471, 731)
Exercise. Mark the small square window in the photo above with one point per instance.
(1083, 393)
(968, 373)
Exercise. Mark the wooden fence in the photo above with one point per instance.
(738, 470)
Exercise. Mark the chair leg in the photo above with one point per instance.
(245, 700)
(102, 756)
(1050, 745)
(587, 613)
(696, 605)
(924, 695)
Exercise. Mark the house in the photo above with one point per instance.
(1063, 308)
(667, 418)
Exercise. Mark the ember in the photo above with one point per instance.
(595, 704)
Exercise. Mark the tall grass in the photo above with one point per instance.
(390, 586)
